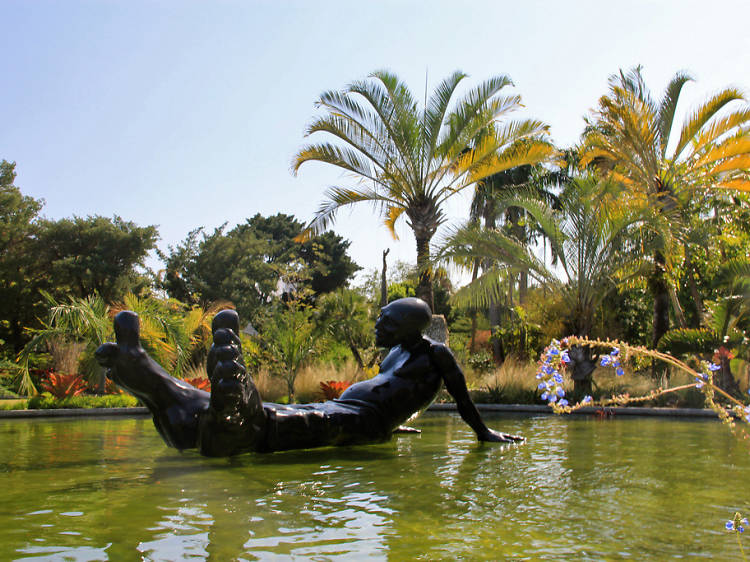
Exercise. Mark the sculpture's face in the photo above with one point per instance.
(386, 329)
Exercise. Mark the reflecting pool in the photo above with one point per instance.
(580, 489)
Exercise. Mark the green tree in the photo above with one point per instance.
(19, 300)
(345, 316)
(244, 265)
(409, 160)
(632, 138)
(94, 255)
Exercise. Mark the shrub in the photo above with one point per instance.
(13, 404)
(46, 401)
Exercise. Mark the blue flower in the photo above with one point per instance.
(560, 392)
(606, 360)
(587, 399)
(563, 402)
(545, 395)
(554, 351)
(714, 367)
(615, 351)
(542, 385)
(615, 363)
(729, 525)
(547, 370)
(553, 399)
(698, 382)
(558, 378)
(564, 357)
(619, 371)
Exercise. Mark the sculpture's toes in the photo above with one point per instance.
(106, 354)
(127, 328)
(226, 319)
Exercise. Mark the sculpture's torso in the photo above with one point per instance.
(407, 383)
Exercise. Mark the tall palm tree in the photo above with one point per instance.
(587, 232)
(408, 160)
(632, 138)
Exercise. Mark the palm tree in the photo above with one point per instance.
(409, 160)
(631, 140)
(587, 233)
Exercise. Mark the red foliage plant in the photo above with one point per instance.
(61, 386)
(200, 383)
(333, 389)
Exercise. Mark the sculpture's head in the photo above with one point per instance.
(401, 321)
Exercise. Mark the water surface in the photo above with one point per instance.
(580, 489)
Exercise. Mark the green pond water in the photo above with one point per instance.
(580, 489)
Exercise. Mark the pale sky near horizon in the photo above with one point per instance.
(188, 114)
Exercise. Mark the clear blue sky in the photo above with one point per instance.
(186, 114)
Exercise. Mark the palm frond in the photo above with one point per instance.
(702, 115)
(667, 108)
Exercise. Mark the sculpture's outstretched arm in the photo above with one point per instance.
(175, 405)
(455, 383)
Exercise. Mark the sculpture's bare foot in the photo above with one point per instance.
(235, 420)
(174, 404)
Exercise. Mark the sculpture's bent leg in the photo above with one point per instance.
(175, 405)
(235, 421)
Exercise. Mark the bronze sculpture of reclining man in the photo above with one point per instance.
(233, 418)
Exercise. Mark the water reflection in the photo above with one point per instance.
(580, 489)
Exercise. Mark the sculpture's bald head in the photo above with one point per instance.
(401, 321)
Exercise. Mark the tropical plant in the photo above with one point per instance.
(290, 342)
(409, 160)
(723, 333)
(79, 320)
(175, 335)
(61, 385)
(588, 235)
(631, 139)
(333, 389)
(345, 316)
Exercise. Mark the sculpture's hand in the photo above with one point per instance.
(406, 429)
(492, 436)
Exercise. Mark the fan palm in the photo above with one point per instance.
(409, 160)
(632, 139)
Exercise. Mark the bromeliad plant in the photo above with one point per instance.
(555, 363)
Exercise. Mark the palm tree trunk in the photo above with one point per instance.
(473, 336)
(660, 291)
(694, 292)
(677, 307)
(355, 353)
(424, 287)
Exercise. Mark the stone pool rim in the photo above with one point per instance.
(448, 407)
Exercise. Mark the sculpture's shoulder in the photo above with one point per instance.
(440, 353)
